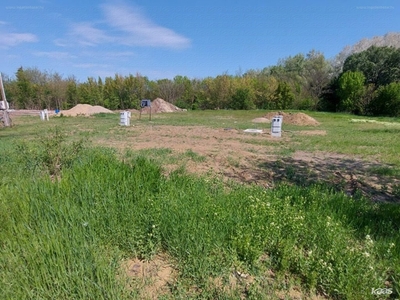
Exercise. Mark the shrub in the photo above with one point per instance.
(387, 100)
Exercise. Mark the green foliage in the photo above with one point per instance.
(65, 239)
(302, 81)
(350, 92)
(380, 65)
(387, 100)
(51, 154)
(304, 74)
(242, 100)
(283, 97)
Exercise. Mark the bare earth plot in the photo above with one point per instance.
(256, 158)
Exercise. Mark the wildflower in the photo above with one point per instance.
(366, 254)
(368, 239)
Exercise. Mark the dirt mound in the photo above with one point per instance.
(260, 120)
(160, 106)
(85, 110)
(299, 119)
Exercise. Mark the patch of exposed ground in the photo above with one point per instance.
(257, 158)
(151, 278)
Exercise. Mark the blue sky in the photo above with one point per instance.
(162, 39)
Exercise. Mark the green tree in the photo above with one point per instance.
(24, 89)
(317, 74)
(350, 92)
(110, 92)
(72, 97)
(283, 97)
(265, 87)
(242, 99)
(380, 65)
(91, 92)
(387, 100)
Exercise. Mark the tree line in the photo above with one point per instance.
(367, 83)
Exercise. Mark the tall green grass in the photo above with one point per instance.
(64, 237)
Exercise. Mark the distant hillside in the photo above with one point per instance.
(391, 39)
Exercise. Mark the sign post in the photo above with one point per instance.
(4, 104)
(145, 103)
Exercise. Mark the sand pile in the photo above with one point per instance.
(159, 106)
(299, 119)
(85, 110)
(260, 120)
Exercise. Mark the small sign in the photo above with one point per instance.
(145, 103)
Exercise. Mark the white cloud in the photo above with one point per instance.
(109, 54)
(13, 39)
(123, 25)
(55, 54)
(139, 30)
(119, 54)
(89, 66)
(88, 35)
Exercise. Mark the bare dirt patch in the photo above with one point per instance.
(261, 120)
(151, 277)
(258, 159)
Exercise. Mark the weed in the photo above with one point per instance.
(194, 156)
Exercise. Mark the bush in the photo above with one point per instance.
(387, 100)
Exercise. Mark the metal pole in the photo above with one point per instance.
(150, 113)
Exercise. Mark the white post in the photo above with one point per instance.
(6, 117)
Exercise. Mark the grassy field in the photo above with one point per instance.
(74, 213)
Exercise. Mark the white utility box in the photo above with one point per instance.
(44, 115)
(276, 126)
(125, 119)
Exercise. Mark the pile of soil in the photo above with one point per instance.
(160, 106)
(85, 110)
(260, 120)
(299, 119)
